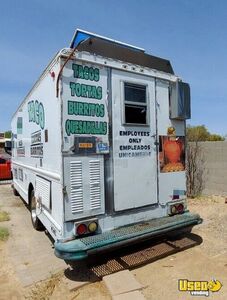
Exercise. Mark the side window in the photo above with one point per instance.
(19, 125)
(21, 174)
(15, 173)
(135, 102)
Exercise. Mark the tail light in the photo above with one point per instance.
(86, 227)
(81, 229)
(180, 208)
(92, 227)
(177, 208)
(173, 210)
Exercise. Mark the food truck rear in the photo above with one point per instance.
(99, 148)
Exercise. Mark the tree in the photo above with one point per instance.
(197, 133)
(195, 169)
(215, 137)
(201, 134)
(8, 134)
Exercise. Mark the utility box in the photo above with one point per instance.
(180, 106)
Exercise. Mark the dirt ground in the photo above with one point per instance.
(204, 262)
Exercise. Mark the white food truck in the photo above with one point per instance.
(99, 147)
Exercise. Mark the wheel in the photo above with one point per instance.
(37, 224)
(15, 192)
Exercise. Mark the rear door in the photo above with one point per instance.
(134, 140)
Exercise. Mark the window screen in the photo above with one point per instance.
(135, 103)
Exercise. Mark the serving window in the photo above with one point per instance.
(135, 104)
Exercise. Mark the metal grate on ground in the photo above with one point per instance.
(129, 259)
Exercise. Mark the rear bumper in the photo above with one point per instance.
(80, 248)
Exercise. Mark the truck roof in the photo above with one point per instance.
(100, 45)
(109, 48)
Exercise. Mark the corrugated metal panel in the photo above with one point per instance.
(95, 184)
(43, 191)
(76, 184)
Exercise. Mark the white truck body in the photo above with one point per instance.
(90, 151)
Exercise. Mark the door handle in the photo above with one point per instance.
(156, 143)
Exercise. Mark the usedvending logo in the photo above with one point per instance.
(199, 288)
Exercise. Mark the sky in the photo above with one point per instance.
(192, 34)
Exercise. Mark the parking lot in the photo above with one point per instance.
(30, 270)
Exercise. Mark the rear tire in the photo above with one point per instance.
(15, 192)
(36, 223)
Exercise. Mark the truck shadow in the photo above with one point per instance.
(97, 266)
